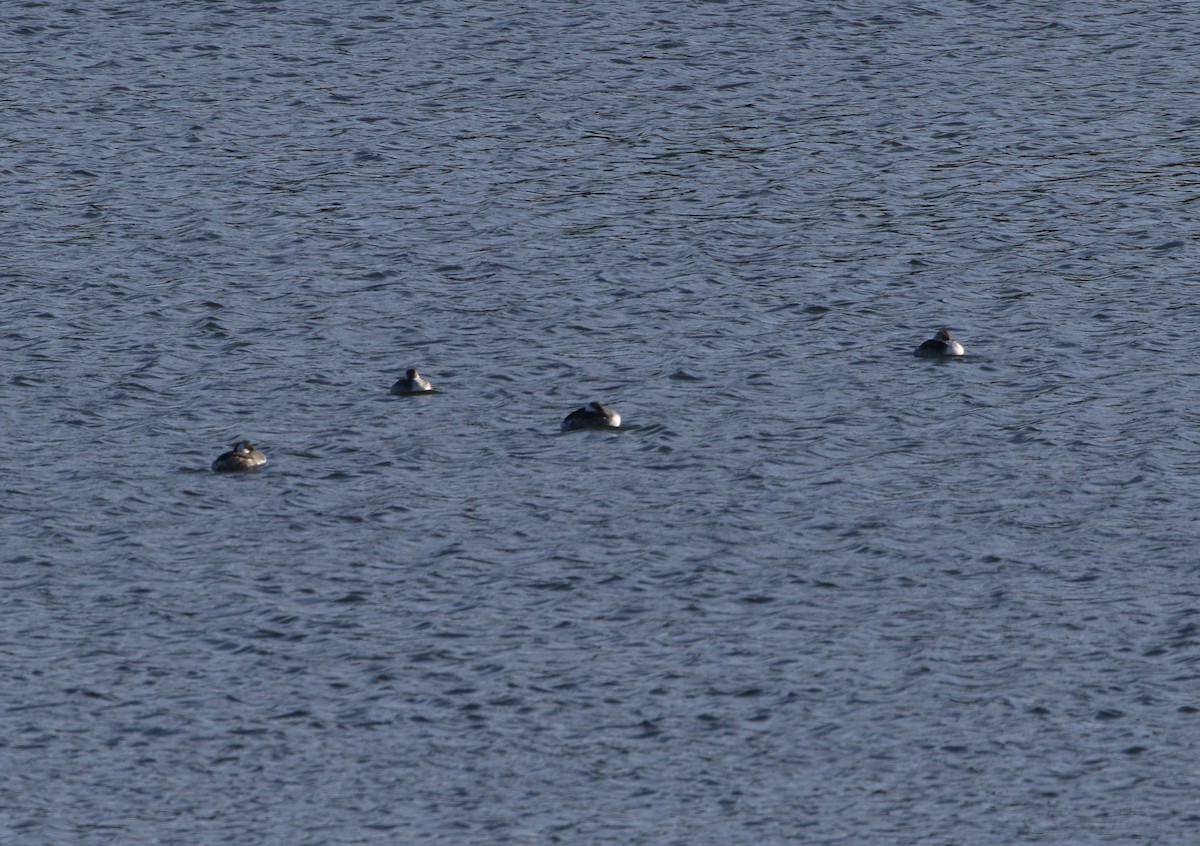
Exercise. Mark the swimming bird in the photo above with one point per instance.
(243, 456)
(939, 345)
(412, 383)
(591, 416)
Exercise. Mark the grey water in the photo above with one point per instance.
(815, 589)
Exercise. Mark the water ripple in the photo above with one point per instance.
(814, 589)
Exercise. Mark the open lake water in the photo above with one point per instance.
(815, 591)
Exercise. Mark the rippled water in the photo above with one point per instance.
(815, 591)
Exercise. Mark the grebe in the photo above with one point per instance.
(591, 416)
(243, 456)
(412, 383)
(939, 345)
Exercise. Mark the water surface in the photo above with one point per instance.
(816, 590)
